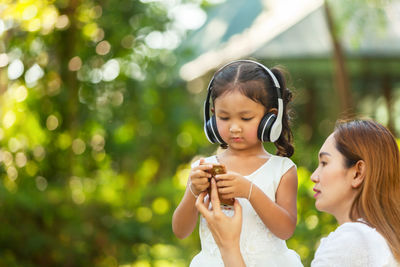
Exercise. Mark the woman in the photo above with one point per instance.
(358, 182)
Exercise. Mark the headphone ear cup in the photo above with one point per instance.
(264, 128)
(212, 131)
(209, 131)
(218, 138)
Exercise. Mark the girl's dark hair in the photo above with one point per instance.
(254, 82)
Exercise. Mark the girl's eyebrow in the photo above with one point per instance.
(241, 112)
(324, 154)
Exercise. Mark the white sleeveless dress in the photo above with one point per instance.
(258, 245)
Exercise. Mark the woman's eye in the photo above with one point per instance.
(323, 163)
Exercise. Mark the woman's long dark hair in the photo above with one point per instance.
(377, 201)
(253, 81)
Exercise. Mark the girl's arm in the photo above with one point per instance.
(185, 216)
(279, 217)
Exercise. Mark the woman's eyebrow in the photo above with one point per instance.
(324, 154)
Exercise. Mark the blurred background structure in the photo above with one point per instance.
(101, 113)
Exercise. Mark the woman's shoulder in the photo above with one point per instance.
(359, 233)
(353, 244)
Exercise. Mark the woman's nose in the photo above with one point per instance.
(314, 176)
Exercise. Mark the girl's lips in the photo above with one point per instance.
(236, 139)
(317, 192)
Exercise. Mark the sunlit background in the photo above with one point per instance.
(101, 113)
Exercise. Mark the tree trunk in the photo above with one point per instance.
(341, 75)
(387, 89)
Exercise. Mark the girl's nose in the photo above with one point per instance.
(235, 128)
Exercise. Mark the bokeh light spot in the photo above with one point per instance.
(103, 48)
(144, 214)
(78, 146)
(34, 25)
(15, 69)
(97, 142)
(9, 119)
(29, 12)
(41, 183)
(31, 168)
(33, 74)
(20, 159)
(20, 93)
(64, 140)
(311, 222)
(6, 157)
(39, 153)
(110, 70)
(184, 139)
(12, 173)
(52, 122)
(3, 60)
(14, 144)
(160, 205)
(62, 22)
(75, 64)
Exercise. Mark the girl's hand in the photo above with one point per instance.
(232, 184)
(199, 178)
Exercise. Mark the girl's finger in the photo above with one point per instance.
(204, 167)
(224, 190)
(225, 176)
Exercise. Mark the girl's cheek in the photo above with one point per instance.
(222, 128)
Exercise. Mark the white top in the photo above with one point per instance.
(354, 244)
(258, 245)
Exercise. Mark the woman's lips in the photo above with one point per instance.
(317, 192)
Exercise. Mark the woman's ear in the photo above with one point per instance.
(359, 174)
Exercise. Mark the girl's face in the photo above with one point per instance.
(333, 182)
(238, 118)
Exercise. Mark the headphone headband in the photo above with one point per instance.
(276, 128)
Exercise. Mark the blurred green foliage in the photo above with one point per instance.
(97, 132)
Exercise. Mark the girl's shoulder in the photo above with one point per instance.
(282, 163)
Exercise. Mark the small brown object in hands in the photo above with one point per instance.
(219, 169)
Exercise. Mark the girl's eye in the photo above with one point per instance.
(224, 118)
(247, 119)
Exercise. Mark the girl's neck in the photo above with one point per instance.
(247, 153)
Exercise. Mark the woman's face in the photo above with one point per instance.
(333, 182)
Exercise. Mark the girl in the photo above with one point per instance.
(249, 106)
(357, 181)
